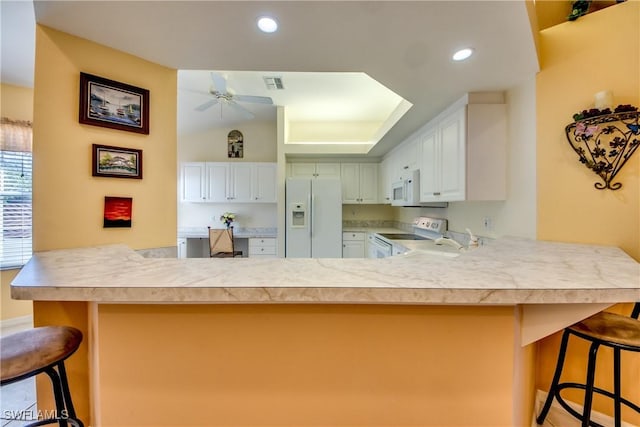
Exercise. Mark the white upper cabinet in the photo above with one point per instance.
(359, 183)
(220, 182)
(240, 188)
(264, 183)
(384, 181)
(407, 159)
(192, 182)
(464, 154)
(314, 170)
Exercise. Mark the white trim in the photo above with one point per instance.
(557, 412)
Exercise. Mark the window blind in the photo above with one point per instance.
(15, 208)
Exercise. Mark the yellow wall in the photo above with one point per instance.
(67, 201)
(16, 103)
(598, 51)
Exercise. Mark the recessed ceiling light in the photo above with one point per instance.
(267, 24)
(462, 54)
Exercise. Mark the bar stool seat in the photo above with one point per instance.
(621, 333)
(28, 353)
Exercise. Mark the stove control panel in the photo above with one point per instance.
(435, 225)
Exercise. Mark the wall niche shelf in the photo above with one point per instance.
(604, 143)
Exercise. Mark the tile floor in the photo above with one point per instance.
(17, 400)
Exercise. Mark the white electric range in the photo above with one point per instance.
(425, 229)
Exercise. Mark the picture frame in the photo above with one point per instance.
(118, 212)
(235, 144)
(116, 162)
(111, 104)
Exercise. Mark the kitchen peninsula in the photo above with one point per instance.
(396, 341)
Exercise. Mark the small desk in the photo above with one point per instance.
(193, 242)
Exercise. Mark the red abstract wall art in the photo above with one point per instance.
(117, 212)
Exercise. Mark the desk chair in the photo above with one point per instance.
(221, 243)
(611, 330)
(31, 352)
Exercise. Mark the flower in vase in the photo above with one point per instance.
(227, 218)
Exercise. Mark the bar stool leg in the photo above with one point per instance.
(617, 394)
(67, 395)
(588, 391)
(556, 378)
(61, 413)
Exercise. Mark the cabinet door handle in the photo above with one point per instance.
(436, 194)
(405, 167)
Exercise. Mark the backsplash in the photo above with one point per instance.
(463, 238)
(381, 223)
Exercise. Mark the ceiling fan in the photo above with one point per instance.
(224, 95)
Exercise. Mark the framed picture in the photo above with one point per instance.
(116, 162)
(117, 212)
(115, 105)
(235, 143)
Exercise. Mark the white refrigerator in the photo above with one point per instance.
(314, 218)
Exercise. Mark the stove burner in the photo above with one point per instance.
(402, 236)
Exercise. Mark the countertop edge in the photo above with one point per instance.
(317, 295)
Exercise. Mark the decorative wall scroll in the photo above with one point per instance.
(605, 141)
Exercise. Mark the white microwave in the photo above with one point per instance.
(406, 192)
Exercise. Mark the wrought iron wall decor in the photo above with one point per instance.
(605, 141)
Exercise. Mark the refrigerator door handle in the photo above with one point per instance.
(313, 212)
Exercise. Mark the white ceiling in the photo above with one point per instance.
(405, 46)
(325, 99)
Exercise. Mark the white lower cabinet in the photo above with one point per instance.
(182, 247)
(353, 244)
(262, 247)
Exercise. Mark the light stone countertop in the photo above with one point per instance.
(508, 271)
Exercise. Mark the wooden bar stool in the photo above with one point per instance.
(28, 353)
(607, 329)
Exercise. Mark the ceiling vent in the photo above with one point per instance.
(273, 83)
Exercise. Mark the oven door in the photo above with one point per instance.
(379, 248)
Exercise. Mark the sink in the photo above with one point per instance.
(445, 252)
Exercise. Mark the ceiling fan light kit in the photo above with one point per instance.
(224, 95)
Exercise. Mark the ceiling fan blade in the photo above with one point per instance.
(198, 92)
(254, 99)
(241, 110)
(206, 105)
(219, 82)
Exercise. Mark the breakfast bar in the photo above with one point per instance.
(415, 339)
